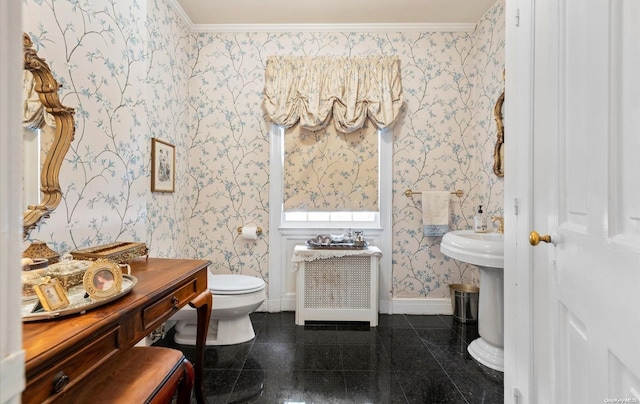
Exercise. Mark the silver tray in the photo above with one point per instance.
(78, 303)
(336, 245)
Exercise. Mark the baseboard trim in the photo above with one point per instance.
(423, 306)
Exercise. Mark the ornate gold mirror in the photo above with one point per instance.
(498, 152)
(48, 130)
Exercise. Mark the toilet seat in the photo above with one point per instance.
(227, 284)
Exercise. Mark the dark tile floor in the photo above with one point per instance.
(406, 359)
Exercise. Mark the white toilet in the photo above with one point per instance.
(234, 298)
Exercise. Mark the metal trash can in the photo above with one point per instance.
(464, 299)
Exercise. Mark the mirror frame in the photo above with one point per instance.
(47, 88)
(498, 164)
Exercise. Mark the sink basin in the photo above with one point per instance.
(483, 249)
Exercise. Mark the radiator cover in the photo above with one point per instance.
(338, 289)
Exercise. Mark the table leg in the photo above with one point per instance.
(202, 303)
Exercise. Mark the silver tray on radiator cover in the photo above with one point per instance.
(337, 245)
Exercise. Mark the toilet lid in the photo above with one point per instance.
(234, 284)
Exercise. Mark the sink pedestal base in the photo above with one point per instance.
(489, 348)
(486, 251)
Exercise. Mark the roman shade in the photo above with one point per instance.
(327, 170)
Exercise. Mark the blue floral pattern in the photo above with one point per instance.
(133, 71)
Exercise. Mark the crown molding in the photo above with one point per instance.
(183, 16)
(332, 27)
(381, 27)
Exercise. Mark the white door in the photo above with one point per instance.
(586, 196)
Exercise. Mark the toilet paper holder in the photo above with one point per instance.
(258, 230)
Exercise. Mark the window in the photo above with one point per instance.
(331, 179)
(353, 91)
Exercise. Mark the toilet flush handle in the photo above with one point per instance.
(535, 238)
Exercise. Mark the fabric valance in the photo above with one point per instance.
(313, 90)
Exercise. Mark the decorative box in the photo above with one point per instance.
(69, 273)
(119, 252)
(29, 280)
(40, 249)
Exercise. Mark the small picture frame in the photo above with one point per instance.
(51, 295)
(163, 166)
(102, 279)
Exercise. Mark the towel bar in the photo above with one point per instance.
(457, 193)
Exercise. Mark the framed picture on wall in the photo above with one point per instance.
(163, 166)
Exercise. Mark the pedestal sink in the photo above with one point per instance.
(486, 251)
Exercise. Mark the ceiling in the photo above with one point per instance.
(250, 12)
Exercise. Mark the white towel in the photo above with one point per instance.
(435, 212)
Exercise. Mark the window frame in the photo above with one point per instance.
(385, 149)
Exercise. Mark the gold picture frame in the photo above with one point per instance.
(103, 279)
(51, 295)
(163, 166)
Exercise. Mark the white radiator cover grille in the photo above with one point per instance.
(338, 288)
(338, 283)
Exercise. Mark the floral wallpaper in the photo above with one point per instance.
(446, 142)
(133, 71)
(121, 66)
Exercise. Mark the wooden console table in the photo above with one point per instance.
(61, 353)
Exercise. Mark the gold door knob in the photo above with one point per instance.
(535, 238)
